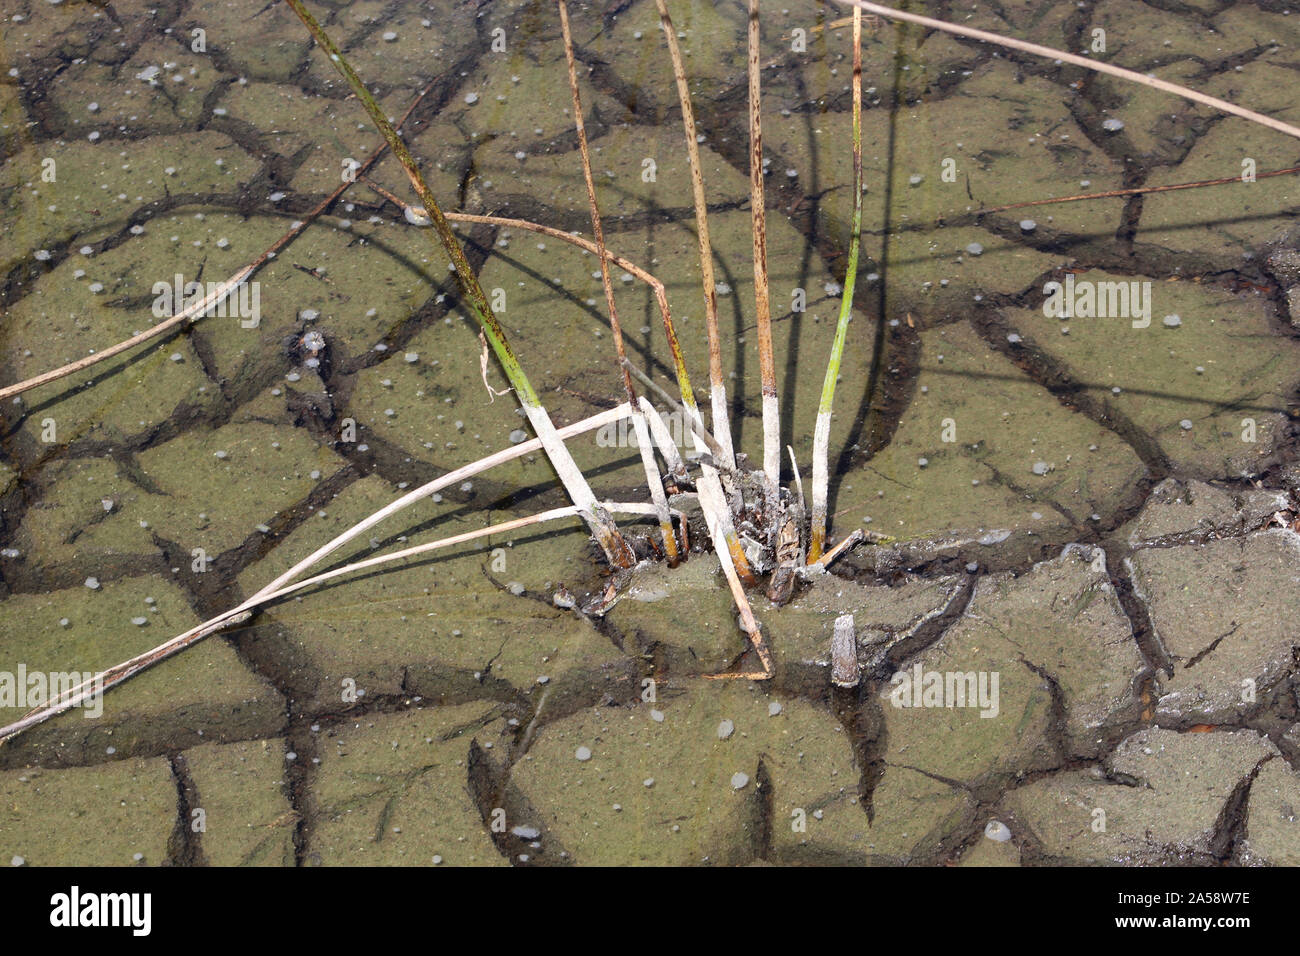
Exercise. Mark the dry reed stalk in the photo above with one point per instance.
(1096, 66)
(644, 445)
(280, 586)
(762, 302)
(718, 388)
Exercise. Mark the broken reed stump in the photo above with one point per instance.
(844, 653)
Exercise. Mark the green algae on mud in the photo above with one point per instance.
(975, 448)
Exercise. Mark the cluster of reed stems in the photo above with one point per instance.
(719, 484)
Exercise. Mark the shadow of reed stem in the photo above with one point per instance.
(617, 550)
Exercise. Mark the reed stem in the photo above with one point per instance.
(762, 302)
(617, 551)
(718, 388)
(1097, 66)
(822, 432)
(644, 445)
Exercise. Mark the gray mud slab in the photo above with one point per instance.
(1272, 826)
(1162, 800)
(1008, 463)
(913, 820)
(1221, 611)
(883, 617)
(684, 620)
(1040, 668)
(988, 852)
(448, 627)
(1182, 511)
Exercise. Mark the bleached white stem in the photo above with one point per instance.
(772, 440)
(105, 680)
(663, 439)
(452, 477)
(820, 480)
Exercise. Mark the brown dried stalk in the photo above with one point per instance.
(1139, 190)
(721, 424)
(644, 444)
(762, 303)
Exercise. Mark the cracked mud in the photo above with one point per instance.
(1090, 519)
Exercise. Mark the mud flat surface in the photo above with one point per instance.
(1077, 642)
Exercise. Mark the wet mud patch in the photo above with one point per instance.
(1057, 508)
